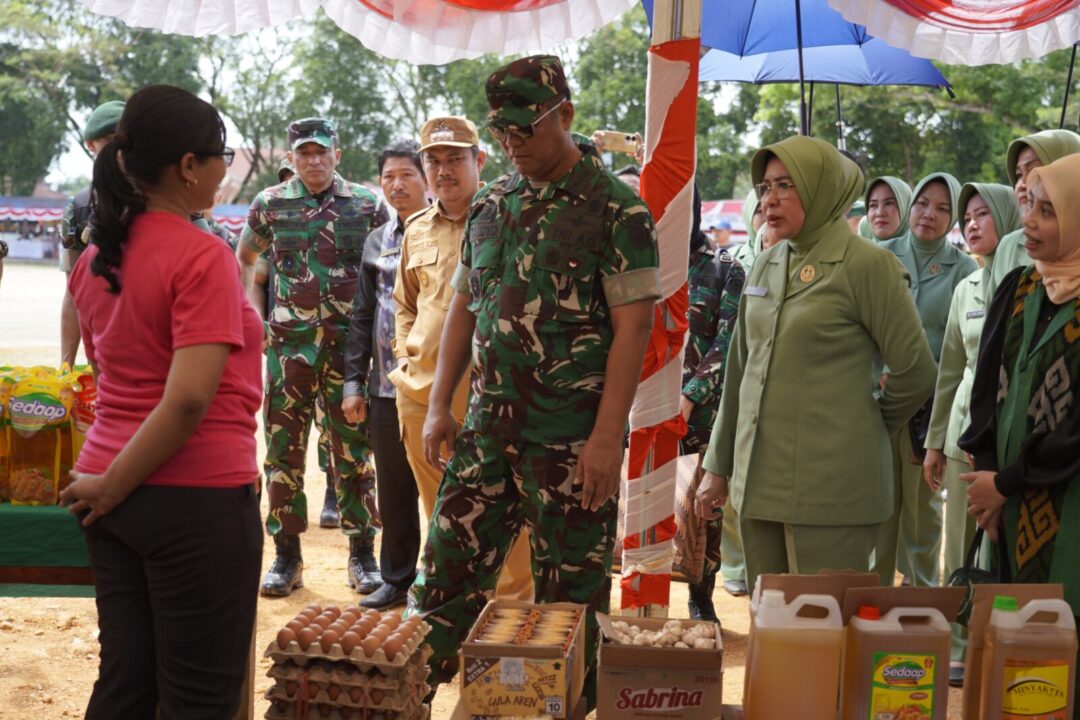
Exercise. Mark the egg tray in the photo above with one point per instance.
(288, 710)
(400, 700)
(413, 672)
(292, 651)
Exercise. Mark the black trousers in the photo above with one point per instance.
(399, 500)
(176, 573)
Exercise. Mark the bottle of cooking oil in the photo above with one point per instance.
(896, 665)
(796, 658)
(1029, 662)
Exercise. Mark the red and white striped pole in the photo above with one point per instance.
(656, 424)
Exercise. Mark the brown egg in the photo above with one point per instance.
(314, 606)
(296, 625)
(285, 636)
(392, 646)
(306, 616)
(373, 614)
(356, 694)
(363, 627)
(348, 641)
(333, 610)
(305, 637)
(391, 620)
(346, 712)
(328, 639)
(290, 688)
(312, 690)
(338, 627)
(333, 691)
(322, 621)
(325, 709)
(370, 645)
(348, 618)
(377, 695)
(382, 632)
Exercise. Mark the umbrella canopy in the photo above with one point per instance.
(961, 32)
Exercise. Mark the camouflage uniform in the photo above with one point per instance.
(715, 283)
(315, 243)
(541, 267)
(73, 225)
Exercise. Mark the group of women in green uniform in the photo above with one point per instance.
(857, 391)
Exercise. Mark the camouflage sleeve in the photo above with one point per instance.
(67, 224)
(460, 279)
(705, 386)
(629, 264)
(257, 234)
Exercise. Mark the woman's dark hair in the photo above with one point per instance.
(401, 149)
(160, 124)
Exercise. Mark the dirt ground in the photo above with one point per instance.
(48, 646)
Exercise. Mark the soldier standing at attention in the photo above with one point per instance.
(314, 228)
(554, 300)
(99, 130)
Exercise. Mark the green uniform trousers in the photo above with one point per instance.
(292, 388)
(960, 528)
(732, 562)
(776, 547)
(911, 537)
(492, 488)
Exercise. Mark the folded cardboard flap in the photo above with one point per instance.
(673, 658)
(946, 599)
(828, 582)
(528, 650)
(981, 605)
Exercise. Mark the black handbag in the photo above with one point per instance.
(918, 428)
(970, 574)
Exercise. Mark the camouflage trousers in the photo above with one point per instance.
(491, 489)
(293, 388)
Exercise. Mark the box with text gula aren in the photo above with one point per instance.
(522, 659)
(642, 681)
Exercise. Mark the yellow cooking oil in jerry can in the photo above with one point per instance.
(896, 665)
(796, 650)
(1029, 661)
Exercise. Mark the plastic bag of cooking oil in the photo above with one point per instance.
(39, 413)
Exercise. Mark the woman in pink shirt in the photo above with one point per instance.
(165, 484)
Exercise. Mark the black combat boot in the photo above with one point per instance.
(364, 572)
(330, 517)
(287, 572)
(700, 604)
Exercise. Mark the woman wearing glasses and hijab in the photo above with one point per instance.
(804, 441)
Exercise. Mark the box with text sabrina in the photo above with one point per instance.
(658, 668)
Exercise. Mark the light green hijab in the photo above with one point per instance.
(827, 183)
(749, 206)
(919, 247)
(1003, 209)
(1049, 145)
(902, 192)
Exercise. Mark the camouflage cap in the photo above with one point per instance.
(284, 167)
(313, 129)
(517, 92)
(450, 130)
(103, 120)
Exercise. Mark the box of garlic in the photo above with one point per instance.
(654, 667)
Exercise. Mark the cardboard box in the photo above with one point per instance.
(461, 713)
(636, 681)
(514, 680)
(945, 599)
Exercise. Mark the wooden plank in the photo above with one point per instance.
(32, 575)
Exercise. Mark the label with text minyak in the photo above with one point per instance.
(1035, 689)
(902, 685)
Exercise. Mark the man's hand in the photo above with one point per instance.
(440, 428)
(355, 409)
(686, 406)
(90, 492)
(599, 470)
(933, 466)
(711, 495)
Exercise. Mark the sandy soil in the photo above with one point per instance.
(48, 646)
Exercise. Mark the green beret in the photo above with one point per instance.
(103, 120)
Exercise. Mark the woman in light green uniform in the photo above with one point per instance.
(990, 212)
(753, 219)
(888, 203)
(803, 440)
(912, 536)
(1025, 154)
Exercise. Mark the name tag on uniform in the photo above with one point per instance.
(390, 251)
(973, 314)
(756, 291)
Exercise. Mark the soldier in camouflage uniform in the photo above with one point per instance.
(3, 254)
(715, 283)
(555, 295)
(314, 228)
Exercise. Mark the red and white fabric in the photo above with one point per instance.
(968, 32)
(34, 214)
(656, 424)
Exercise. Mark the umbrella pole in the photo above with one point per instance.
(840, 145)
(1068, 87)
(810, 112)
(804, 117)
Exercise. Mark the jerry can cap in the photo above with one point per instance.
(869, 612)
(1006, 602)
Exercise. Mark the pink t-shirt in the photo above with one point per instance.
(179, 287)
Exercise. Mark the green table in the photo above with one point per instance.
(42, 553)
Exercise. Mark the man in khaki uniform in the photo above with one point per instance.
(430, 252)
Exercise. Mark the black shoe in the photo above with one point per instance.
(287, 572)
(330, 517)
(364, 572)
(956, 675)
(736, 588)
(387, 596)
(701, 607)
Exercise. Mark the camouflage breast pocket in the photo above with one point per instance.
(486, 262)
(349, 236)
(704, 302)
(289, 255)
(564, 280)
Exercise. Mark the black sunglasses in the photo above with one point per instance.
(227, 155)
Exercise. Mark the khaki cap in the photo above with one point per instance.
(451, 130)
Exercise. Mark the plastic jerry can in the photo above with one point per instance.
(1029, 661)
(796, 658)
(896, 665)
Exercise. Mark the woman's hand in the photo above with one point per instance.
(984, 501)
(686, 407)
(711, 495)
(932, 467)
(91, 492)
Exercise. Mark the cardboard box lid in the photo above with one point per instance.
(946, 599)
(614, 655)
(828, 582)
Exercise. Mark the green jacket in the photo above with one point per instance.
(803, 439)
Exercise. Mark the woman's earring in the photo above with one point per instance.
(187, 184)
